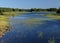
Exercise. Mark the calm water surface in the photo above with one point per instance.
(32, 28)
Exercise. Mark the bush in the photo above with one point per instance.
(1, 13)
(58, 11)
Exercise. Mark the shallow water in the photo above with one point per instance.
(32, 28)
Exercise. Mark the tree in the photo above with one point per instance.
(52, 9)
(13, 9)
(58, 11)
(1, 13)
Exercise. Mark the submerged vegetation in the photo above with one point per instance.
(52, 40)
(40, 34)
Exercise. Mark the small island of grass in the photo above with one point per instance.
(53, 16)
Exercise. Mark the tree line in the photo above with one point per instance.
(30, 10)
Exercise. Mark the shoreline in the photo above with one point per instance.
(3, 25)
(53, 16)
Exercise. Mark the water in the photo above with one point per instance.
(32, 28)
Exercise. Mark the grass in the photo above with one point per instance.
(32, 23)
(8, 14)
(40, 34)
(53, 16)
(4, 25)
(52, 40)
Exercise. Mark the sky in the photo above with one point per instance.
(30, 3)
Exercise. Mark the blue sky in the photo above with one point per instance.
(30, 3)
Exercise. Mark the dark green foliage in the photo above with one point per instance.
(29, 10)
(1, 13)
(58, 11)
(20, 10)
(13, 9)
(52, 9)
(8, 9)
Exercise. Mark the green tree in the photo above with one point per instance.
(58, 11)
(1, 13)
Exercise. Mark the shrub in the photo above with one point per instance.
(1, 13)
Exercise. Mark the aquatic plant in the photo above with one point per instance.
(40, 34)
(52, 40)
(52, 16)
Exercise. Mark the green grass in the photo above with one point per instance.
(53, 16)
(12, 13)
(52, 40)
(4, 25)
